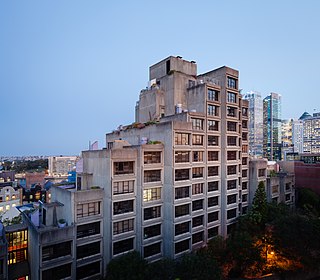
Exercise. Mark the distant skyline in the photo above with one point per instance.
(71, 71)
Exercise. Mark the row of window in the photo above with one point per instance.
(198, 140)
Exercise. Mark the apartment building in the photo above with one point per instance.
(178, 175)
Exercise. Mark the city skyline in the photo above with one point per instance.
(70, 72)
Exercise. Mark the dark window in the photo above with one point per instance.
(152, 231)
(197, 124)
(88, 250)
(88, 270)
(213, 95)
(232, 155)
(213, 216)
(182, 210)
(231, 184)
(197, 188)
(197, 205)
(182, 174)
(152, 157)
(197, 156)
(152, 176)
(181, 138)
(213, 110)
(213, 140)
(231, 126)
(262, 172)
(182, 228)
(231, 169)
(232, 97)
(288, 197)
(212, 232)
(122, 246)
(168, 68)
(152, 212)
(213, 155)
(244, 124)
(123, 226)
(244, 136)
(232, 213)
(123, 187)
(182, 192)
(232, 140)
(244, 198)
(213, 171)
(197, 172)
(231, 111)
(244, 185)
(244, 173)
(232, 83)
(181, 246)
(197, 221)
(213, 201)
(121, 207)
(244, 161)
(125, 167)
(88, 229)
(152, 250)
(213, 186)
(182, 156)
(58, 272)
(197, 140)
(197, 237)
(213, 125)
(56, 251)
(231, 198)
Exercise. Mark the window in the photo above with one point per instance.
(244, 198)
(288, 186)
(181, 138)
(197, 140)
(121, 168)
(152, 176)
(213, 125)
(182, 174)
(197, 172)
(88, 250)
(197, 221)
(152, 231)
(181, 246)
(182, 228)
(152, 213)
(232, 155)
(244, 185)
(244, 161)
(88, 209)
(245, 149)
(213, 201)
(57, 272)
(244, 210)
(232, 140)
(197, 124)
(213, 95)
(197, 237)
(151, 194)
(152, 250)
(245, 173)
(245, 112)
(123, 226)
(262, 172)
(231, 83)
(213, 155)
(213, 171)
(197, 156)
(231, 126)
(232, 97)
(288, 197)
(231, 111)
(88, 270)
(213, 186)
(197, 188)
(182, 210)
(57, 250)
(231, 169)
(231, 184)
(121, 207)
(213, 140)
(182, 156)
(181, 192)
(88, 229)
(231, 198)
(275, 189)
(197, 205)
(123, 187)
(244, 136)
(244, 124)
(213, 216)
(232, 213)
(212, 232)
(152, 157)
(122, 246)
(213, 110)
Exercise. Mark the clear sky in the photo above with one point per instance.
(71, 71)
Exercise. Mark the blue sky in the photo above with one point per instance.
(70, 71)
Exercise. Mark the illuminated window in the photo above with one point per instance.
(151, 194)
(7, 207)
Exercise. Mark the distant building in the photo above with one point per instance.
(286, 138)
(272, 126)
(297, 136)
(255, 123)
(61, 165)
(311, 134)
(34, 178)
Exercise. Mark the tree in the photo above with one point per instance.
(259, 210)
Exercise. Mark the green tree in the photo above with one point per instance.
(309, 202)
(259, 210)
(161, 270)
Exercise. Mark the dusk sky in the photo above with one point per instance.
(71, 71)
